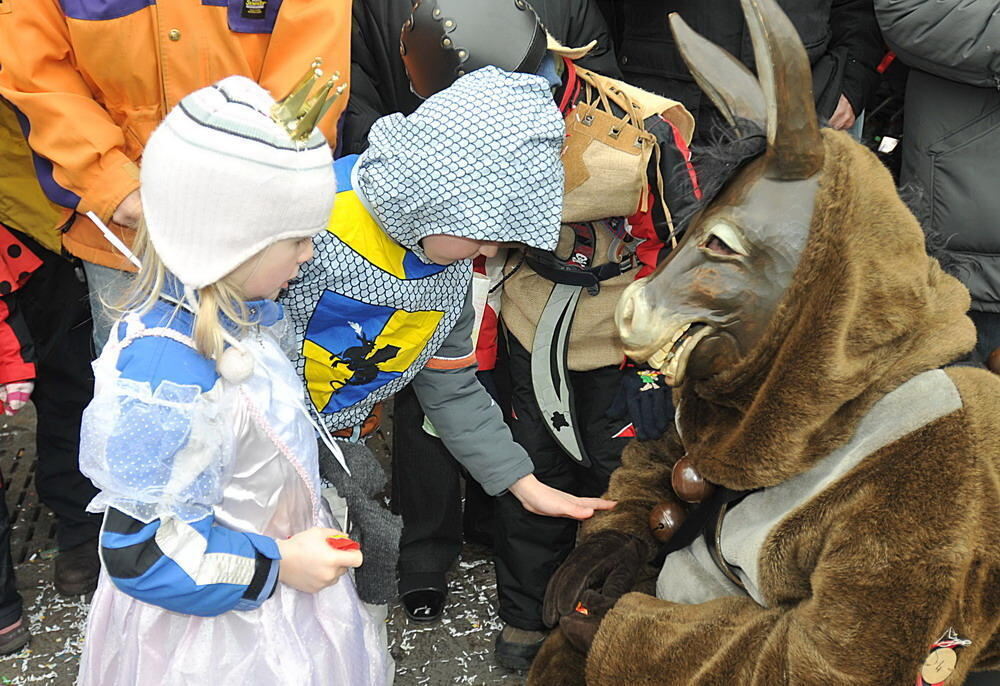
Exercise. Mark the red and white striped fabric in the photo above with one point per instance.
(487, 273)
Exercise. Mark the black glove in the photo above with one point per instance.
(608, 561)
(645, 400)
(581, 625)
(372, 524)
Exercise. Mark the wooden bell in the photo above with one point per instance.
(688, 484)
(993, 361)
(665, 519)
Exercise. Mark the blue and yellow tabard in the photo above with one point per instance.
(367, 312)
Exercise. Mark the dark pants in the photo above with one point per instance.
(57, 312)
(427, 494)
(530, 547)
(10, 599)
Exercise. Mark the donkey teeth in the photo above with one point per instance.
(657, 359)
(670, 374)
(674, 374)
(666, 353)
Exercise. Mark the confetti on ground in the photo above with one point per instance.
(458, 649)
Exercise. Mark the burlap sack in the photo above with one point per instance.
(605, 156)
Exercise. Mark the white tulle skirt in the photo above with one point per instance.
(271, 487)
(294, 638)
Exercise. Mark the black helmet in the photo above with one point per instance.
(445, 39)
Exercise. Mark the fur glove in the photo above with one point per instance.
(581, 625)
(608, 561)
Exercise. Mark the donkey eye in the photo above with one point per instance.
(725, 240)
(717, 245)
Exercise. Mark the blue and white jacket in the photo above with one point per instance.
(157, 442)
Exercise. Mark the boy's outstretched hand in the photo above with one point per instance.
(540, 499)
(309, 563)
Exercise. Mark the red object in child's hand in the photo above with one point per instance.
(342, 542)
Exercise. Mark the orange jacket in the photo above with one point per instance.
(92, 79)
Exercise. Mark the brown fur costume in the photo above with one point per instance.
(861, 579)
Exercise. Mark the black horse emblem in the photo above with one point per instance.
(362, 360)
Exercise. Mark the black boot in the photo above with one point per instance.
(77, 569)
(14, 637)
(516, 648)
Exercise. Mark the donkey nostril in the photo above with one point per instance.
(626, 310)
(629, 309)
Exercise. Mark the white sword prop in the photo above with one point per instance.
(115, 240)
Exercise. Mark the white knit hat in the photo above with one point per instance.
(220, 181)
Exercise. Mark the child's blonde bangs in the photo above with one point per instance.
(222, 298)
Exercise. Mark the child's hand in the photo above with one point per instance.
(540, 499)
(310, 564)
(129, 210)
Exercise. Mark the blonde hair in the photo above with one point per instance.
(224, 298)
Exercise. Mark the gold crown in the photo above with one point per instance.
(298, 113)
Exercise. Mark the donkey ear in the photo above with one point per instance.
(794, 143)
(725, 80)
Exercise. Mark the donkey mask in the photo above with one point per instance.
(706, 307)
(806, 277)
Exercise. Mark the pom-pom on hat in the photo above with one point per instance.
(221, 180)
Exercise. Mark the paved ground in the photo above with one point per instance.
(455, 650)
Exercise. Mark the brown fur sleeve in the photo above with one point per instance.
(860, 581)
(642, 481)
(850, 632)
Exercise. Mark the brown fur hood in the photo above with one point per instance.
(867, 310)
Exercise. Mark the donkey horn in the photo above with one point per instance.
(794, 143)
(728, 83)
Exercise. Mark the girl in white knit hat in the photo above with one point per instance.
(221, 564)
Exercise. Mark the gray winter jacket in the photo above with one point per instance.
(951, 137)
(465, 417)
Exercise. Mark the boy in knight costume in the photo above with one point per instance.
(622, 153)
(385, 301)
(446, 37)
(847, 481)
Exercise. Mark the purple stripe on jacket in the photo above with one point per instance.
(101, 10)
(239, 23)
(97, 10)
(43, 170)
